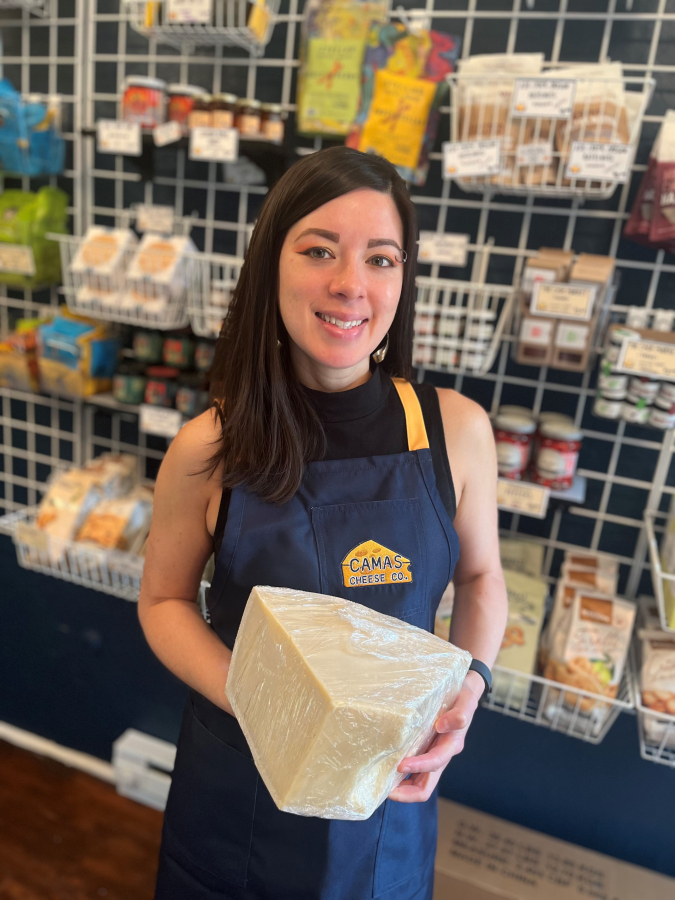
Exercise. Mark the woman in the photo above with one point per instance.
(310, 449)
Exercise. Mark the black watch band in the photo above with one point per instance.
(483, 671)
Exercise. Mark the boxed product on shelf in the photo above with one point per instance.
(25, 221)
(525, 557)
(518, 651)
(76, 357)
(98, 266)
(157, 273)
(18, 357)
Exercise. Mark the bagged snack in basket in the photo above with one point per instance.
(599, 114)
(527, 604)
(662, 228)
(657, 687)
(98, 266)
(331, 696)
(157, 273)
(589, 647)
(70, 497)
(522, 556)
(599, 580)
(119, 524)
(116, 473)
(403, 87)
(332, 47)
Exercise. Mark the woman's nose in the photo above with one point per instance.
(348, 282)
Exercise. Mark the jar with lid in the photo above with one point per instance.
(640, 386)
(556, 461)
(144, 100)
(616, 338)
(181, 103)
(160, 389)
(247, 116)
(662, 414)
(222, 110)
(635, 410)
(271, 123)
(191, 398)
(607, 407)
(147, 346)
(513, 437)
(200, 114)
(129, 383)
(544, 418)
(204, 353)
(666, 392)
(178, 351)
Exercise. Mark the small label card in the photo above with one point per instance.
(448, 249)
(571, 301)
(158, 219)
(214, 144)
(196, 12)
(602, 162)
(168, 133)
(522, 497)
(17, 258)
(651, 358)
(537, 154)
(113, 136)
(549, 97)
(464, 159)
(160, 421)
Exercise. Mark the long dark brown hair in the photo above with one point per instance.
(269, 428)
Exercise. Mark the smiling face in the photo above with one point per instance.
(339, 285)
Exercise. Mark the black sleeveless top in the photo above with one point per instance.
(369, 421)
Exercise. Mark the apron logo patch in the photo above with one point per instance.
(371, 563)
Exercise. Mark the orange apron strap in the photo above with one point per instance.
(414, 420)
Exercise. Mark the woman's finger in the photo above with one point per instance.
(439, 754)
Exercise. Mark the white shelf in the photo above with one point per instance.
(213, 278)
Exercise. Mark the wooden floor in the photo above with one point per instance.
(67, 836)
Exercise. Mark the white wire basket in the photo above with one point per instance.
(656, 729)
(37, 7)
(132, 301)
(459, 324)
(111, 571)
(213, 277)
(540, 701)
(607, 111)
(231, 24)
(663, 583)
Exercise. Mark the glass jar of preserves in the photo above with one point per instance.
(271, 123)
(248, 115)
(200, 115)
(222, 110)
(144, 100)
(181, 103)
(556, 460)
(513, 437)
(161, 386)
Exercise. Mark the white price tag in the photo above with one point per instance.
(158, 219)
(651, 358)
(113, 136)
(17, 258)
(549, 97)
(567, 301)
(198, 12)
(448, 249)
(160, 421)
(464, 159)
(214, 144)
(537, 154)
(603, 162)
(522, 497)
(168, 133)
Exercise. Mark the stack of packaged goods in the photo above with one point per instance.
(76, 357)
(547, 336)
(18, 356)
(587, 639)
(657, 677)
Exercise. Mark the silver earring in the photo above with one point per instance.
(381, 352)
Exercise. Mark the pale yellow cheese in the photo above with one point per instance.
(331, 696)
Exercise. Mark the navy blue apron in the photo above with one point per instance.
(223, 835)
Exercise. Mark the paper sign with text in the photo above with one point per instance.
(160, 421)
(448, 249)
(465, 159)
(549, 97)
(196, 12)
(537, 154)
(214, 144)
(602, 162)
(168, 133)
(522, 497)
(651, 358)
(17, 258)
(113, 136)
(158, 219)
(569, 301)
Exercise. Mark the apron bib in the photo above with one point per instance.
(371, 530)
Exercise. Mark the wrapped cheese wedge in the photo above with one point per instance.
(331, 696)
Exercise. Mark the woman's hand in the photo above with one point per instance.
(425, 770)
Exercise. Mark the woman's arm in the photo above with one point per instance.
(480, 607)
(179, 546)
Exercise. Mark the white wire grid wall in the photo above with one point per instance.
(628, 468)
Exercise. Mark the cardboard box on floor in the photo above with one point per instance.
(480, 857)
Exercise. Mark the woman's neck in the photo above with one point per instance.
(317, 377)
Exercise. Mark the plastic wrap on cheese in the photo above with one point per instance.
(331, 696)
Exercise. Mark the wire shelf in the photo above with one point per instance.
(663, 583)
(540, 701)
(232, 25)
(161, 307)
(459, 324)
(111, 571)
(37, 7)
(656, 730)
(213, 278)
(482, 108)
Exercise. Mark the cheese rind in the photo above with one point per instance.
(331, 696)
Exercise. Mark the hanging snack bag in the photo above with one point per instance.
(157, 273)
(98, 266)
(25, 221)
(331, 56)
(527, 604)
(403, 87)
(662, 229)
(640, 222)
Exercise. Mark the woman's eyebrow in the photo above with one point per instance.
(328, 235)
(377, 242)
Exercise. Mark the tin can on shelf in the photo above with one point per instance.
(513, 438)
(161, 386)
(556, 461)
(144, 100)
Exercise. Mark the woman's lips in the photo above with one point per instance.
(339, 327)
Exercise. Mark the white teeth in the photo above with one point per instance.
(339, 322)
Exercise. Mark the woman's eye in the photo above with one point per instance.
(318, 253)
(381, 261)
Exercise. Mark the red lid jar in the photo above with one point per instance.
(513, 437)
(557, 456)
